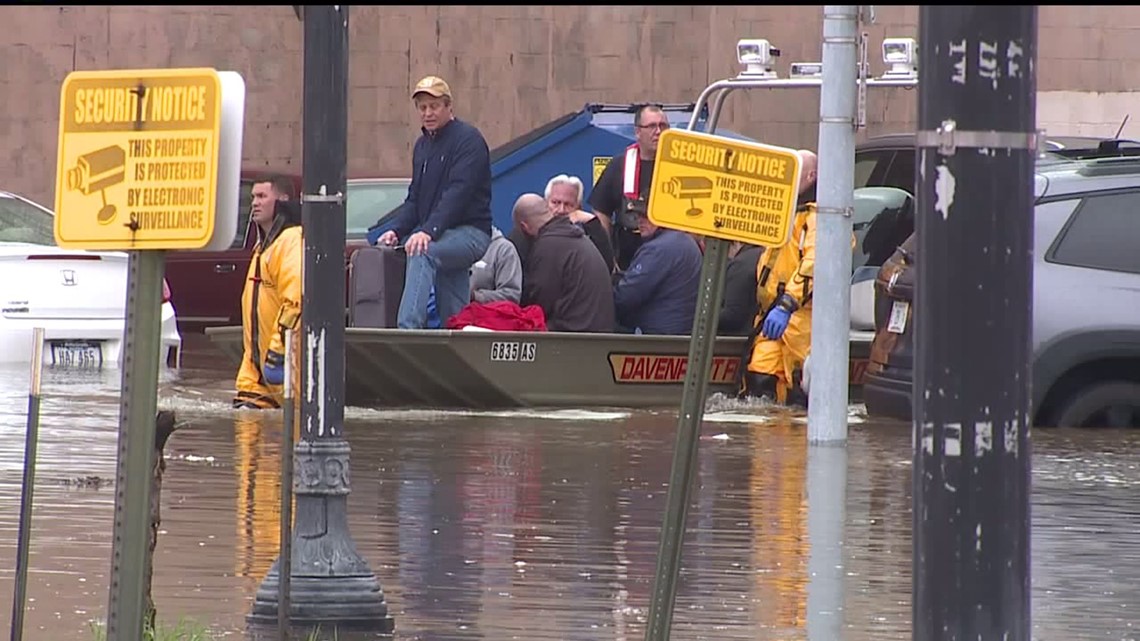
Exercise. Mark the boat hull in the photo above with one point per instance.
(390, 368)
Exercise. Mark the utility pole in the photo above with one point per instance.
(332, 586)
(831, 331)
(976, 145)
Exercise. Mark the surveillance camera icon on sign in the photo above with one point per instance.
(96, 172)
(690, 188)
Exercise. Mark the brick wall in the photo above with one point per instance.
(512, 68)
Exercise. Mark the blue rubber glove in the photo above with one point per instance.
(374, 235)
(775, 323)
(274, 368)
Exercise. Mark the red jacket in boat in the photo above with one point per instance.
(501, 316)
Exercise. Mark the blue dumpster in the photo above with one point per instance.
(579, 144)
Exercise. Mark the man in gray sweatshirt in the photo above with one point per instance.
(498, 274)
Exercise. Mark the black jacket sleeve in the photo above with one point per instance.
(738, 309)
(601, 240)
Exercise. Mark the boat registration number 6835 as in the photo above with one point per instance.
(76, 354)
(512, 351)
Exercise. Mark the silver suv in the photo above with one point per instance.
(1086, 299)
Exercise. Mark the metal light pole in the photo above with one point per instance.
(826, 518)
(332, 586)
(830, 348)
(976, 145)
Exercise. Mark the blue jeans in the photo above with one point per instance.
(446, 265)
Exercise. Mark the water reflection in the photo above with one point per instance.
(257, 471)
(780, 527)
(826, 507)
(530, 525)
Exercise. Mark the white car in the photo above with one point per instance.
(77, 297)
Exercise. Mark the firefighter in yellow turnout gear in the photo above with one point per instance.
(784, 278)
(271, 300)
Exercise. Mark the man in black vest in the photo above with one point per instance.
(622, 191)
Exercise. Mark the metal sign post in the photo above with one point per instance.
(708, 309)
(697, 375)
(148, 161)
(27, 490)
(130, 560)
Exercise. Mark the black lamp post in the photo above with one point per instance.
(331, 585)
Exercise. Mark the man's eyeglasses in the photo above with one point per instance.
(660, 126)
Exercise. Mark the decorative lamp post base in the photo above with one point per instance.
(342, 602)
(331, 586)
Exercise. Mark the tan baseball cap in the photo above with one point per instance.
(433, 85)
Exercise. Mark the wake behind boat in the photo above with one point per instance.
(481, 370)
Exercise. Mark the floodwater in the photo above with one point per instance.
(528, 525)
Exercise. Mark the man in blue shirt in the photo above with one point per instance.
(658, 293)
(445, 222)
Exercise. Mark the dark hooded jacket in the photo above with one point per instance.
(567, 277)
(593, 230)
(738, 306)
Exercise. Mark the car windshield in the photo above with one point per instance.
(871, 201)
(369, 201)
(24, 222)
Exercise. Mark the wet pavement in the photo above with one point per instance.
(544, 525)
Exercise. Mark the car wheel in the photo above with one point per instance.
(1114, 404)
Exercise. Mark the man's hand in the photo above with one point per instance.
(387, 239)
(417, 243)
(775, 323)
(579, 217)
(274, 368)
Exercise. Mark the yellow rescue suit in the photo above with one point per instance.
(271, 303)
(786, 271)
(784, 276)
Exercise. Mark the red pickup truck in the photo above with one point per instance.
(207, 286)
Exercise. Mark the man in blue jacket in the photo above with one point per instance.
(445, 222)
(658, 293)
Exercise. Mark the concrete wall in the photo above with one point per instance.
(1086, 113)
(512, 68)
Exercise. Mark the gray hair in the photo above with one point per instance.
(563, 179)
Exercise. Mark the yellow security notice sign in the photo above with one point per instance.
(138, 159)
(724, 188)
(600, 163)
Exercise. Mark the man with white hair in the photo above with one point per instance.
(564, 198)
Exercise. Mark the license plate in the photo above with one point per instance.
(77, 354)
(897, 322)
